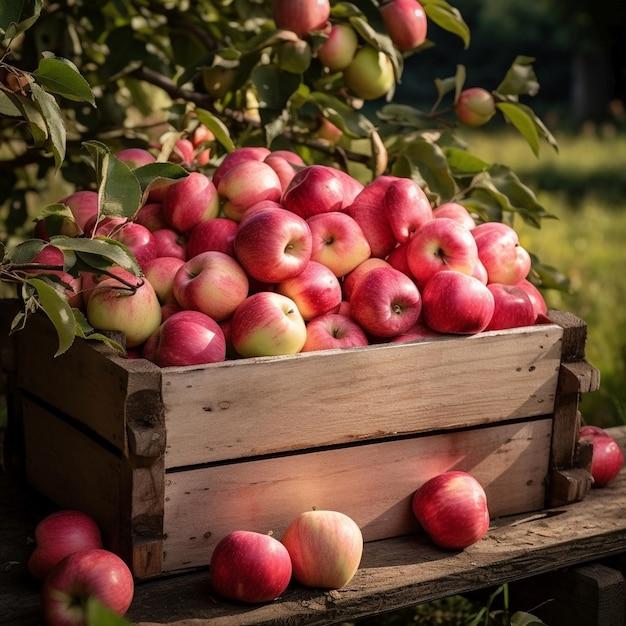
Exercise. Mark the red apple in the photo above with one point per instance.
(337, 52)
(59, 535)
(407, 208)
(370, 74)
(215, 234)
(160, 274)
(536, 297)
(267, 324)
(183, 152)
(418, 332)
(455, 211)
(456, 303)
(500, 251)
(351, 279)
(441, 244)
(325, 548)
(315, 290)
(285, 163)
(273, 245)
(170, 242)
(85, 574)
(331, 331)
(405, 22)
(151, 216)
(475, 106)
(139, 240)
(244, 153)
(608, 458)
(211, 282)
(189, 201)
(250, 567)
(512, 307)
(385, 302)
(301, 17)
(135, 157)
(338, 242)
(186, 338)
(398, 259)
(84, 206)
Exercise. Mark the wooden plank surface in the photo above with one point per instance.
(394, 573)
(259, 406)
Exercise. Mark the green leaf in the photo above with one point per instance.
(8, 107)
(525, 619)
(463, 163)
(405, 116)
(349, 121)
(430, 160)
(16, 16)
(148, 174)
(217, 127)
(447, 17)
(520, 79)
(54, 121)
(100, 615)
(523, 121)
(25, 251)
(61, 77)
(274, 88)
(33, 116)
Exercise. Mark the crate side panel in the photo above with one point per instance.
(253, 407)
(373, 483)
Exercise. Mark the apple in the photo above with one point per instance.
(370, 74)
(397, 258)
(319, 189)
(351, 279)
(244, 153)
(500, 251)
(441, 244)
(456, 303)
(186, 338)
(170, 242)
(138, 239)
(251, 567)
(325, 548)
(151, 216)
(301, 17)
(407, 208)
(452, 508)
(285, 163)
(218, 81)
(273, 245)
(245, 184)
(160, 272)
(81, 576)
(84, 205)
(475, 106)
(331, 331)
(607, 460)
(133, 308)
(536, 297)
(418, 332)
(385, 302)
(455, 211)
(405, 22)
(135, 157)
(189, 201)
(214, 234)
(267, 323)
(337, 52)
(211, 282)
(183, 152)
(512, 307)
(315, 290)
(201, 136)
(58, 535)
(338, 242)
(107, 226)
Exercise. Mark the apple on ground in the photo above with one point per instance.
(315, 290)
(332, 331)
(385, 302)
(338, 242)
(325, 548)
(301, 17)
(512, 307)
(608, 458)
(83, 576)
(455, 211)
(170, 242)
(536, 297)
(186, 338)
(475, 106)
(500, 251)
(405, 22)
(441, 244)
(337, 52)
(351, 279)
(267, 324)
(370, 74)
(211, 282)
(407, 208)
(456, 303)
(273, 245)
(452, 508)
(58, 535)
(160, 274)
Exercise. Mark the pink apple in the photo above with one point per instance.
(250, 567)
(132, 309)
(512, 307)
(267, 324)
(189, 201)
(244, 153)
(183, 152)
(211, 282)
(135, 157)
(333, 331)
(259, 206)
(500, 251)
(170, 242)
(351, 279)
(536, 297)
(456, 303)
(441, 244)
(315, 290)
(151, 216)
(337, 52)
(86, 574)
(398, 259)
(285, 163)
(245, 184)
(418, 332)
(405, 22)
(186, 338)
(273, 245)
(320, 189)
(59, 535)
(455, 211)
(160, 274)
(325, 548)
(608, 458)
(139, 240)
(407, 208)
(301, 17)
(475, 106)
(452, 509)
(215, 234)
(84, 206)
(385, 302)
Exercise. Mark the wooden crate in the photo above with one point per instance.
(169, 460)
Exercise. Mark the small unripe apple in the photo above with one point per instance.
(301, 16)
(370, 75)
(337, 52)
(405, 22)
(218, 81)
(475, 106)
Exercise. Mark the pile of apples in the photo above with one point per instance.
(269, 256)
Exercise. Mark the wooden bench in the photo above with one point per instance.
(573, 555)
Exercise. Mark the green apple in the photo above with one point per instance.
(370, 75)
